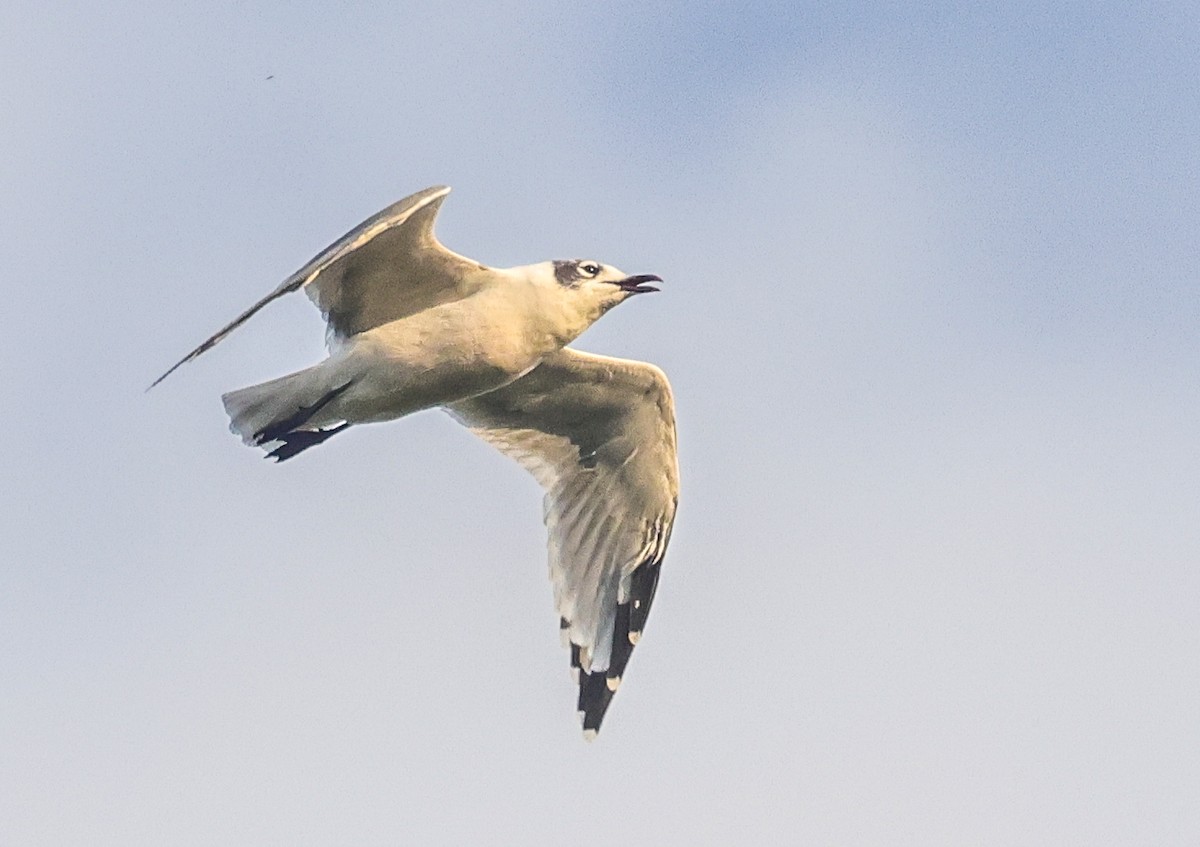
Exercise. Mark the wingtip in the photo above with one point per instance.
(170, 371)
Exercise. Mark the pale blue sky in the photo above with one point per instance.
(930, 314)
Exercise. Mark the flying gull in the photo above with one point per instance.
(413, 326)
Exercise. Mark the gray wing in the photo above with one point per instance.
(598, 434)
(384, 269)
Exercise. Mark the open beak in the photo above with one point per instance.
(637, 284)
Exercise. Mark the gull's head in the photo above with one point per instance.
(597, 283)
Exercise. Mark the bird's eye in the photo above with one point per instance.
(590, 268)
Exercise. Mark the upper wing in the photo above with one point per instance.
(387, 267)
(598, 434)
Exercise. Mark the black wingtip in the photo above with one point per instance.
(170, 371)
(204, 348)
(594, 698)
(596, 688)
(643, 582)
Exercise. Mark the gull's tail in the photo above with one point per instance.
(294, 410)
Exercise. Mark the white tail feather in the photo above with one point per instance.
(258, 407)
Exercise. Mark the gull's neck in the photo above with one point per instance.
(553, 314)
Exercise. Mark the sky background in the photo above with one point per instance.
(930, 314)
